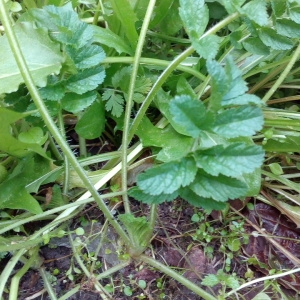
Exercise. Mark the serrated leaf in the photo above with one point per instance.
(208, 46)
(295, 14)
(107, 37)
(86, 57)
(256, 46)
(42, 56)
(256, 10)
(87, 80)
(34, 135)
(253, 182)
(233, 6)
(92, 122)
(189, 115)
(242, 100)
(220, 188)
(142, 85)
(115, 102)
(54, 90)
(233, 160)
(210, 280)
(232, 282)
(240, 121)
(288, 28)
(121, 78)
(195, 16)
(76, 103)
(278, 7)
(197, 201)
(168, 177)
(184, 88)
(274, 40)
(138, 194)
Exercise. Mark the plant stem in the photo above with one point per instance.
(47, 284)
(283, 75)
(171, 67)
(15, 47)
(190, 285)
(126, 140)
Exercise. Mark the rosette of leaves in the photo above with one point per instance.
(75, 88)
(207, 155)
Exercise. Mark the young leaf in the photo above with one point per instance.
(168, 177)
(76, 103)
(220, 188)
(233, 160)
(239, 121)
(274, 40)
(87, 80)
(138, 194)
(208, 46)
(256, 10)
(42, 56)
(189, 115)
(114, 102)
(106, 37)
(195, 16)
(92, 122)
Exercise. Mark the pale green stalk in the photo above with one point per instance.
(283, 75)
(15, 47)
(126, 140)
(47, 284)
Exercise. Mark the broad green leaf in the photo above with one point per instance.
(189, 115)
(274, 40)
(42, 56)
(34, 135)
(9, 143)
(75, 103)
(288, 28)
(127, 17)
(184, 88)
(86, 57)
(87, 80)
(242, 100)
(253, 182)
(107, 37)
(240, 121)
(220, 188)
(256, 10)
(256, 46)
(115, 102)
(233, 160)
(295, 13)
(168, 177)
(92, 122)
(286, 144)
(54, 90)
(208, 46)
(195, 16)
(197, 201)
(138, 194)
(278, 7)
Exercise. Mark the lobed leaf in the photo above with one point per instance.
(233, 160)
(115, 102)
(220, 188)
(168, 177)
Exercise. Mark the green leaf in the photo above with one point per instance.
(34, 135)
(242, 100)
(75, 103)
(11, 145)
(256, 10)
(256, 46)
(87, 80)
(42, 56)
(274, 40)
(197, 201)
(240, 121)
(86, 57)
(210, 280)
(278, 7)
(286, 144)
(233, 160)
(92, 122)
(54, 90)
(107, 37)
(127, 17)
(253, 182)
(195, 16)
(220, 188)
(168, 177)
(160, 11)
(184, 88)
(295, 13)
(288, 28)
(115, 102)
(138, 194)
(232, 282)
(208, 46)
(234, 244)
(189, 115)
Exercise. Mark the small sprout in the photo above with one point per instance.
(79, 231)
(195, 218)
(56, 272)
(142, 284)
(127, 291)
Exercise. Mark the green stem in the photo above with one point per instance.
(113, 270)
(70, 293)
(15, 47)
(155, 62)
(47, 284)
(171, 67)
(190, 285)
(135, 66)
(283, 75)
